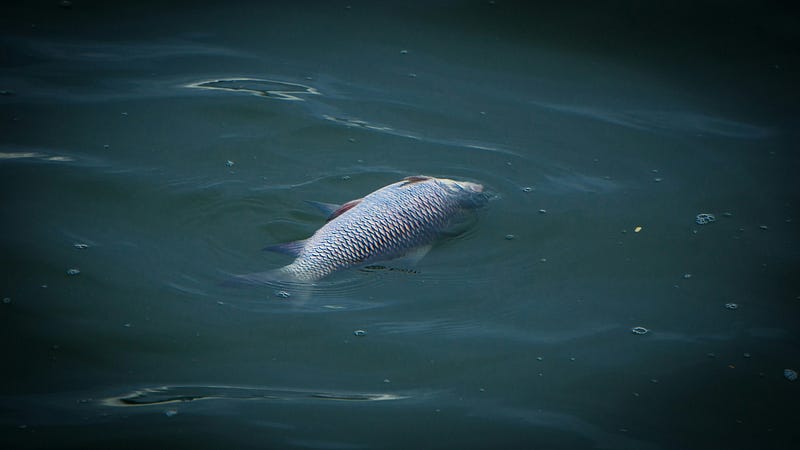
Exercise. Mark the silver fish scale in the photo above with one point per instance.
(386, 224)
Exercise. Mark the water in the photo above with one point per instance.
(156, 149)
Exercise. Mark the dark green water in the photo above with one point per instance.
(174, 141)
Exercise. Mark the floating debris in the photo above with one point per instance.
(539, 358)
(639, 330)
(403, 52)
(763, 227)
(790, 374)
(686, 276)
(73, 272)
(80, 246)
(171, 412)
(282, 294)
(510, 237)
(658, 180)
(360, 333)
(746, 355)
(527, 189)
(731, 306)
(543, 260)
(229, 163)
(705, 218)
(542, 211)
(637, 229)
(727, 214)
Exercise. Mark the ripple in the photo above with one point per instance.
(352, 122)
(670, 121)
(161, 395)
(34, 156)
(278, 90)
(118, 52)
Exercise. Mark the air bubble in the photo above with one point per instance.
(705, 218)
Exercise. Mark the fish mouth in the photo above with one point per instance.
(474, 187)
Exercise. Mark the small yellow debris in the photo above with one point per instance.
(637, 229)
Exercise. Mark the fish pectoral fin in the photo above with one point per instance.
(293, 248)
(412, 257)
(333, 210)
(377, 267)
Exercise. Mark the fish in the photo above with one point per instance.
(401, 220)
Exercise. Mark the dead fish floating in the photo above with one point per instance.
(401, 220)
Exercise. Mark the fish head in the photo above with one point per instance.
(469, 194)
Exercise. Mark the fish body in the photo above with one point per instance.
(393, 222)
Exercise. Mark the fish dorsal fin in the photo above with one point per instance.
(332, 210)
(293, 248)
(414, 179)
(326, 208)
(344, 208)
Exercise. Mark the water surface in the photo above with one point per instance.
(156, 149)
